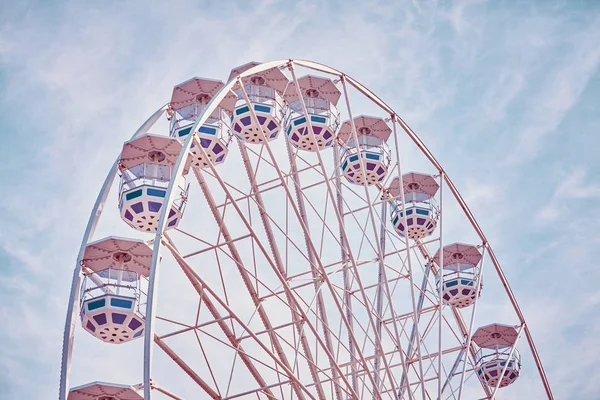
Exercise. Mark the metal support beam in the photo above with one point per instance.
(276, 343)
(222, 322)
(379, 300)
(186, 368)
(311, 259)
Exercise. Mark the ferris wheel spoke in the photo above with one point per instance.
(158, 388)
(409, 263)
(323, 229)
(243, 195)
(383, 283)
(363, 238)
(206, 360)
(204, 242)
(421, 310)
(276, 255)
(434, 308)
(344, 258)
(198, 325)
(271, 334)
(282, 181)
(185, 327)
(186, 368)
(218, 318)
(243, 218)
(363, 229)
(304, 167)
(440, 292)
(260, 159)
(287, 189)
(239, 350)
(432, 356)
(243, 272)
(322, 218)
(451, 373)
(281, 230)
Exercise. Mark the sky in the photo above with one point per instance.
(506, 95)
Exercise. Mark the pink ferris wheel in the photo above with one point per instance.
(286, 235)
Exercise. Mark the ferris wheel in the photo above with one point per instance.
(286, 235)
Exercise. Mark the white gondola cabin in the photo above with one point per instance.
(371, 150)
(320, 96)
(497, 354)
(421, 212)
(188, 102)
(112, 300)
(146, 166)
(264, 90)
(460, 274)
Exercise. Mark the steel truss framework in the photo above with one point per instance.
(302, 287)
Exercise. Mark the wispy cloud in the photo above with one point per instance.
(469, 76)
(571, 189)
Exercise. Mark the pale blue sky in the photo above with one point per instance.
(505, 93)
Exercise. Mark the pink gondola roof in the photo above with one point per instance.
(325, 88)
(495, 336)
(459, 253)
(425, 184)
(101, 254)
(186, 93)
(136, 151)
(97, 390)
(379, 128)
(274, 78)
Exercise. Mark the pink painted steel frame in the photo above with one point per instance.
(318, 274)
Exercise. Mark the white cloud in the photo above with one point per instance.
(570, 191)
(559, 92)
(83, 85)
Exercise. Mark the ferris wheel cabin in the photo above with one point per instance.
(104, 391)
(421, 213)
(111, 295)
(146, 165)
(264, 90)
(188, 102)
(320, 96)
(497, 360)
(370, 151)
(460, 274)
